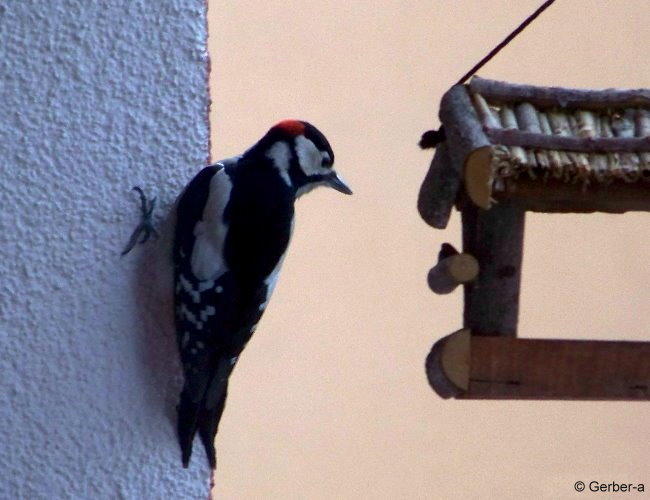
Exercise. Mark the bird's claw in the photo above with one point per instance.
(145, 227)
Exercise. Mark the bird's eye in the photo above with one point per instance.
(327, 161)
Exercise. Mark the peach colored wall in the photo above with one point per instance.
(330, 399)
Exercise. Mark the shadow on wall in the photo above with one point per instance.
(152, 289)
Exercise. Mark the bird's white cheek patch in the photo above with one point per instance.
(281, 156)
(310, 157)
(210, 234)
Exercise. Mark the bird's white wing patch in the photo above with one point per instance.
(270, 283)
(229, 161)
(210, 233)
(271, 280)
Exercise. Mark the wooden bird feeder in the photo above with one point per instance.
(511, 149)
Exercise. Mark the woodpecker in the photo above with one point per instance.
(234, 221)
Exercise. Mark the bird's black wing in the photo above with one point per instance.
(198, 302)
(232, 231)
(216, 309)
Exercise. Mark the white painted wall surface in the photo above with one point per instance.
(95, 97)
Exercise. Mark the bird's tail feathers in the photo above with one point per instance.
(203, 413)
(208, 424)
(188, 413)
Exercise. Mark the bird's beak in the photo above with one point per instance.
(334, 181)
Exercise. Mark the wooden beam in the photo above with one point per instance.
(495, 238)
(506, 368)
(556, 196)
(549, 97)
(452, 269)
(551, 195)
(463, 127)
(514, 368)
(439, 189)
(478, 176)
(525, 139)
(449, 378)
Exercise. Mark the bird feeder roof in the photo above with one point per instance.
(551, 149)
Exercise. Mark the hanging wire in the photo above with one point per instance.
(505, 41)
(432, 138)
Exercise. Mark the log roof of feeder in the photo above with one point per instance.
(549, 149)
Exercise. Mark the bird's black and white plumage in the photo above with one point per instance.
(234, 223)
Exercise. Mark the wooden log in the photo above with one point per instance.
(611, 195)
(447, 365)
(599, 161)
(558, 159)
(488, 117)
(555, 158)
(479, 173)
(506, 368)
(509, 123)
(439, 189)
(586, 124)
(583, 170)
(465, 366)
(528, 120)
(623, 123)
(623, 126)
(641, 129)
(561, 126)
(464, 131)
(514, 137)
(498, 92)
(495, 238)
(556, 196)
(613, 159)
(485, 165)
(462, 126)
(452, 271)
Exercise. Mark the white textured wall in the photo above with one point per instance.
(95, 96)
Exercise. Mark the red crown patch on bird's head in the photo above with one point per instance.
(291, 127)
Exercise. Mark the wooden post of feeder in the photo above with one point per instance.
(495, 237)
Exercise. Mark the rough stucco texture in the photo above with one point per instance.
(95, 97)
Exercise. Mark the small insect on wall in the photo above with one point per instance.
(509, 149)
